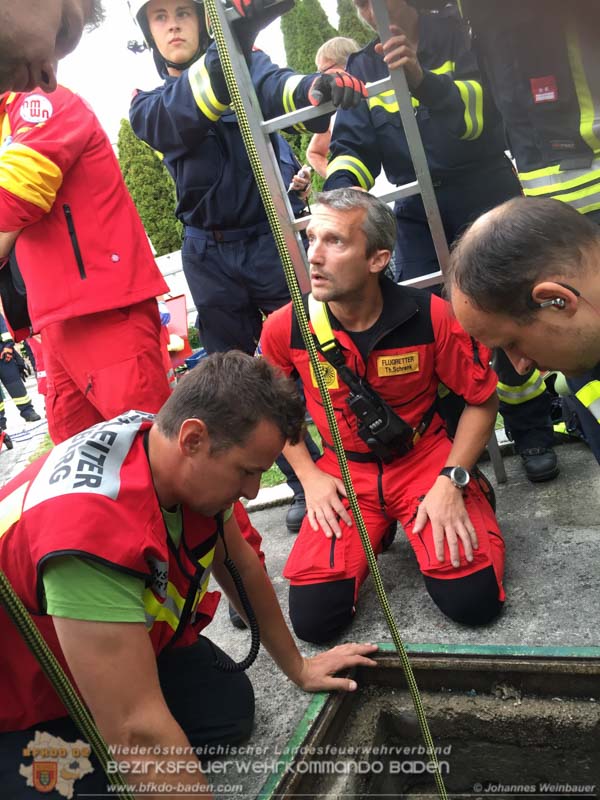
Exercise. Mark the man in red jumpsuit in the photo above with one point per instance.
(401, 342)
(90, 276)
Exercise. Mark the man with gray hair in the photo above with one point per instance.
(383, 349)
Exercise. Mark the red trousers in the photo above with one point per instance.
(389, 492)
(100, 365)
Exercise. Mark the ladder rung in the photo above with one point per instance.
(407, 190)
(424, 280)
(313, 112)
(402, 191)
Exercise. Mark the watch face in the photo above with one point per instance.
(460, 477)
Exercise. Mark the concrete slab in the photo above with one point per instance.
(553, 551)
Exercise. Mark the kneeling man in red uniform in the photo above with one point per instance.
(384, 350)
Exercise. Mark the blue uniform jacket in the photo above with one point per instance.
(198, 135)
(458, 123)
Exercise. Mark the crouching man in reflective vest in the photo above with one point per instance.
(110, 541)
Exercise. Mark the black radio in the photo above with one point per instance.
(386, 434)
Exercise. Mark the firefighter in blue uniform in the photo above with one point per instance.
(10, 375)
(230, 259)
(540, 59)
(464, 145)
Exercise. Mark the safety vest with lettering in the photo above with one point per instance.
(93, 497)
(416, 343)
(543, 64)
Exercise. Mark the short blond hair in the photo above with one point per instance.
(336, 51)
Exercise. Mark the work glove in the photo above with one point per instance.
(262, 9)
(344, 90)
(256, 15)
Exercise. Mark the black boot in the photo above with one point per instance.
(295, 514)
(540, 463)
(236, 620)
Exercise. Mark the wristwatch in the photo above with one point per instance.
(458, 475)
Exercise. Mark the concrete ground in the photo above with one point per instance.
(552, 536)
(553, 550)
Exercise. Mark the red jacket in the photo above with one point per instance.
(416, 343)
(93, 495)
(83, 248)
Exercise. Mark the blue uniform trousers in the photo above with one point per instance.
(235, 277)
(461, 200)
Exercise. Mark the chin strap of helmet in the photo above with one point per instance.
(185, 64)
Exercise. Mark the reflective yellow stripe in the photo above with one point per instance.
(319, 318)
(27, 174)
(589, 125)
(589, 396)
(11, 507)
(386, 100)
(353, 165)
(471, 94)
(288, 99)
(22, 401)
(445, 68)
(534, 386)
(552, 179)
(203, 92)
(168, 611)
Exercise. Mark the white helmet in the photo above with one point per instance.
(137, 11)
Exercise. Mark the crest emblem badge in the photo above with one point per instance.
(45, 775)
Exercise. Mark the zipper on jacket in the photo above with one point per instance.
(74, 242)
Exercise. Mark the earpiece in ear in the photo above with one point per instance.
(557, 302)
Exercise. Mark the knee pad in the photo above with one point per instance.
(471, 600)
(319, 611)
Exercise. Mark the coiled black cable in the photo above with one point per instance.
(241, 666)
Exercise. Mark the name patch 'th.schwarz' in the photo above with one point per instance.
(397, 365)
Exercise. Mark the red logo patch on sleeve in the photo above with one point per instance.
(544, 90)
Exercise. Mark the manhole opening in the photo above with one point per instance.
(502, 728)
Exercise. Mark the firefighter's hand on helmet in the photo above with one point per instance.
(343, 89)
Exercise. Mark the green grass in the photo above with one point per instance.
(274, 476)
(44, 446)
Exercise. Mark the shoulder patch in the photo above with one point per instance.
(329, 373)
(36, 108)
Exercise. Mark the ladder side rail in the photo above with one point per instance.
(415, 144)
(265, 150)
